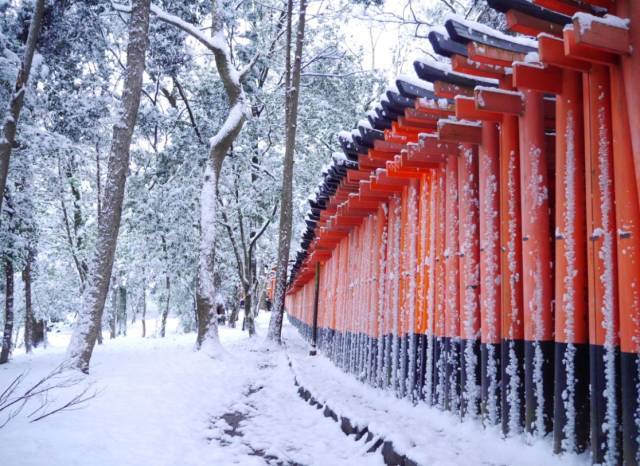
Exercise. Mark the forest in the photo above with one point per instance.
(65, 78)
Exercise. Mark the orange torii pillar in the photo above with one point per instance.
(571, 388)
(621, 38)
(468, 135)
(425, 304)
(512, 318)
(536, 251)
(602, 251)
(408, 266)
(490, 277)
(380, 245)
(440, 298)
(380, 283)
(383, 185)
(418, 164)
(438, 372)
(451, 347)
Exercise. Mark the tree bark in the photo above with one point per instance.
(144, 308)
(114, 310)
(39, 332)
(220, 145)
(122, 310)
(165, 312)
(284, 233)
(85, 332)
(8, 312)
(29, 320)
(249, 324)
(17, 98)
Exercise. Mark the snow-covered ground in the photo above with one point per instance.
(161, 403)
(425, 435)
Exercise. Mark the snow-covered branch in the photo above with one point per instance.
(234, 119)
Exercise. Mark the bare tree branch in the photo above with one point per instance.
(264, 226)
(192, 118)
(13, 400)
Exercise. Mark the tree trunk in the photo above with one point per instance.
(165, 312)
(205, 297)
(99, 336)
(249, 324)
(8, 312)
(39, 332)
(220, 144)
(233, 316)
(17, 98)
(122, 310)
(144, 308)
(284, 233)
(134, 314)
(85, 332)
(29, 320)
(114, 310)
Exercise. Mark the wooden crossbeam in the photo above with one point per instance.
(551, 52)
(581, 51)
(499, 101)
(603, 35)
(449, 91)
(466, 110)
(464, 65)
(492, 55)
(538, 78)
(458, 131)
(530, 25)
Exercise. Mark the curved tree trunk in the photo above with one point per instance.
(88, 323)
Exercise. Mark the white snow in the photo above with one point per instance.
(338, 157)
(160, 403)
(416, 81)
(446, 68)
(345, 136)
(364, 123)
(486, 30)
(231, 123)
(426, 435)
(585, 21)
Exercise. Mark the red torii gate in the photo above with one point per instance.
(408, 237)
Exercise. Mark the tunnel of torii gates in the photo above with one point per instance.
(475, 246)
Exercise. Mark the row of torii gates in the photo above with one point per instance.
(476, 246)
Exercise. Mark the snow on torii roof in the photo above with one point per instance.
(528, 8)
(463, 31)
(432, 71)
(444, 46)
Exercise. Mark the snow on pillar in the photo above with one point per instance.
(603, 300)
(536, 256)
(469, 278)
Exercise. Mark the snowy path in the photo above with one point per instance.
(160, 403)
